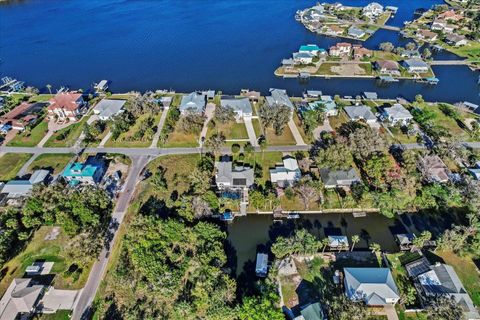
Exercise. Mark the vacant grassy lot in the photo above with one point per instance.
(401, 137)
(337, 121)
(10, 163)
(51, 161)
(30, 138)
(126, 140)
(179, 139)
(286, 138)
(47, 250)
(231, 130)
(448, 122)
(266, 160)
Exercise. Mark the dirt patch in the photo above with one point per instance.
(348, 70)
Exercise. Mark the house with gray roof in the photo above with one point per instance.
(355, 32)
(242, 106)
(236, 178)
(21, 188)
(397, 114)
(107, 108)
(441, 279)
(312, 311)
(357, 113)
(279, 97)
(434, 169)
(339, 178)
(374, 286)
(20, 298)
(416, 65)
(193, 102)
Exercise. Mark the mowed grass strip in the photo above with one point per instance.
(11, 163)
(51, 161)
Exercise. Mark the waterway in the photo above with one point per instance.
(188, 45)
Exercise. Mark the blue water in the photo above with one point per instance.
(187, 45)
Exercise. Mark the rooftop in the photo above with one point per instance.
(107, 107)
(237, 104)
(359, 112)
(65, 100)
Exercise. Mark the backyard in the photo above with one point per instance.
(11, 163)
(51, 161)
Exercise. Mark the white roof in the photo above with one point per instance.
(338, 241)
(19, 297)
(375, 286)
(397, 111)
(38, 176)
(108, 108)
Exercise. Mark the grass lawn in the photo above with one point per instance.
(266, 160)
(10, 163)
(231, 130)
(402, 137)
(124, 141)
(51, 161)
(30, 138)
(466, 271)
(48, 250)
(179, 139)
(286, 138)
(337, 121)
(67, 137)
(59, 315)
(41, 98)
(447, 122)
(298, 123)
(326, 69)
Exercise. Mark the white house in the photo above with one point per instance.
(356, 113)
(303, 57)
(287, 174)
(193, 102)
(66, 105)
(416, 66)
(372, 10)
(456, 40)
(355, 32)
(397, 114)
(242, 106)
(107, 108)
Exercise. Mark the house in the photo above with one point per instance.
(193, 102)
(361, 52)
(389, 67)
(311, 48)
(341, 49)
(434, 168)
(404, 240)
(372, 10)
(303, 57)
(261, 265)
(20, 298)
(236, 178)
(108, 108)
(416, 66)
(209, 94)
(279, 97)
(397, 114)
(338, 242)
(356, 113)
(241, 106)
(21, 116)
(440, 279)
(427, 35)
(355, 32)
(21, 188)
(66, 106)
(374, 286)
(339, 178)
(450, 15)
(253, 96)
(330, 107)
(312, 311)
(410, 54)
(333, 30)
(456, 40)
(438, 25)
(89, 172)
(286, 174)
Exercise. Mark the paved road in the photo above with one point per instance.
(82, 308)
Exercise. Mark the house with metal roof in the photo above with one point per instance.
(287, 174)
(339, 178)
(20, 298)
(241, 106)
(279, 97)
(416, 65)
(236, 178)
(21, 188)
(374, 286)
(88, 172)
(193, 102)
(313, 311)
(355, 32)
(357, 113)
(304, 57)
(397, 114)
(107, 108)
(312, 48)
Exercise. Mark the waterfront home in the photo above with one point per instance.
(279, 97)
(287, 174)
(333, 30)
(372, 10)
(338, 243)
(253, 96)
(89, 172)
(241, 106)
(416, 66)
(14, 189)
(370, 95)
(397, 114)
(341, 49)
(339, 178)
(288, 64)
(440, 279)
(311, 48)
(66, 106)
(209, 94)
(21, 116)
(230, 178)
(303, 57)
(410, 54)
(20, 299)
(355, 32)
(108, 108)
(434, 169)
(389, 67)
(360, 52)
(450, 15)
(193, 102)
(357, 113)
(442, 25)
(312, 311)
(330, 107)
(456, 40)
(374, 286)
(313, 93)
(426, 35)
(261, 265)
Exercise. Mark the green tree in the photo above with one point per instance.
(386, 46)
(336, 157)
(355, 239)
(216, 142)
(260, 308)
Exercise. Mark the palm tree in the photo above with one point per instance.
(324, 243)
(355, 240)
(375, 247)
(49, 87)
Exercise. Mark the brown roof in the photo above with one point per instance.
(17, 111)
(65, 100)
(428, 34)
(450, 15)
(362, 52)
(335, 28)
(388, 64)
(344, 44)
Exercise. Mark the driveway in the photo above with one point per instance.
(209, 112)
(156, 137)
(296, 134)
(251, 131)
(325, 127)
(52, 127)
(55, 299)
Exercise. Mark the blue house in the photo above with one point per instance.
(330, 107)
(89, 172)
(312, 48)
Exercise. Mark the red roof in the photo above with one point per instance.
(17, 111)
(65, 100)
(343, 44)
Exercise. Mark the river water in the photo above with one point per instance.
(188, 45)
